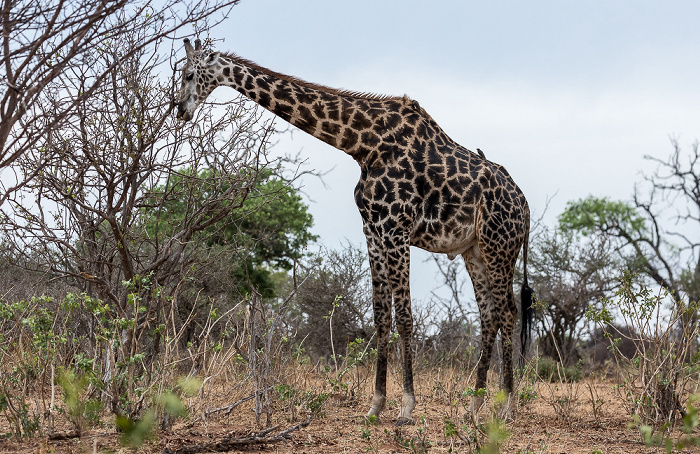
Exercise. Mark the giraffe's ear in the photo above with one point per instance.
(212, 58)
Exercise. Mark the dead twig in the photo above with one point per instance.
(231, 443)
(226, 410)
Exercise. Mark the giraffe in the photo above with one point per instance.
(417, 188)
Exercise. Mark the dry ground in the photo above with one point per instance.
(540, 426)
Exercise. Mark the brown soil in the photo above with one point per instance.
(540, 426)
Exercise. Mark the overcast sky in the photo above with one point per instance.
(568, 96)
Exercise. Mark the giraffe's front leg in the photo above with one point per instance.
(382, 321)
(389, 262)
(381, 298)
(399, 264)
(404, 323)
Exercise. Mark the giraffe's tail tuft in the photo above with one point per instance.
(527, 299)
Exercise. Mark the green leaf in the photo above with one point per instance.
(135, 432)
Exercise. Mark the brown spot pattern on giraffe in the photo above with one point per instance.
(417, 187)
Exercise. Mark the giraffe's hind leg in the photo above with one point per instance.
(489, 328)
(500, 268)
(506, 322)
(491, 266)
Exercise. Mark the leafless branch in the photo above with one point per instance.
(46, 44)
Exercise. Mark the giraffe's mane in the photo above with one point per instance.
(313, 86)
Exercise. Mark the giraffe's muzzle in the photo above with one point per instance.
(182, 113)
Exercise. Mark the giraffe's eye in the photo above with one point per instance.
(190, 76)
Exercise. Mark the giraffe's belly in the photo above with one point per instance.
(452, 243)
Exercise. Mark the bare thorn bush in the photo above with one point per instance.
(656, 380)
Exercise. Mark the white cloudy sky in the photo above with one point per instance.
(568, 96)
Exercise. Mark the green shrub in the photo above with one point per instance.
(661, 372)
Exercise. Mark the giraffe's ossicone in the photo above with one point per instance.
(417, 188)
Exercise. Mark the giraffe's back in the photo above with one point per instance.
(433, 192)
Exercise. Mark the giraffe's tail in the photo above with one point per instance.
(527, 301)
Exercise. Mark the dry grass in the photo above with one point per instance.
(539, 427)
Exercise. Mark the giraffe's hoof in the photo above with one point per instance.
(477, 404)
(507, 411)
(405, 421)
(372, 415)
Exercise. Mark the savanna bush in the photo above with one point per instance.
(657, 376)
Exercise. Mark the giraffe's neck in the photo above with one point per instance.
(359, 124)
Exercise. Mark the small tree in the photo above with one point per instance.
(568, 274)
(270, 232)
(656, 234)
(43, 42)
(656, 367)
(335, 302)
(455, 278)
(243, 253)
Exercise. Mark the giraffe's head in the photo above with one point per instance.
(198, 79)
